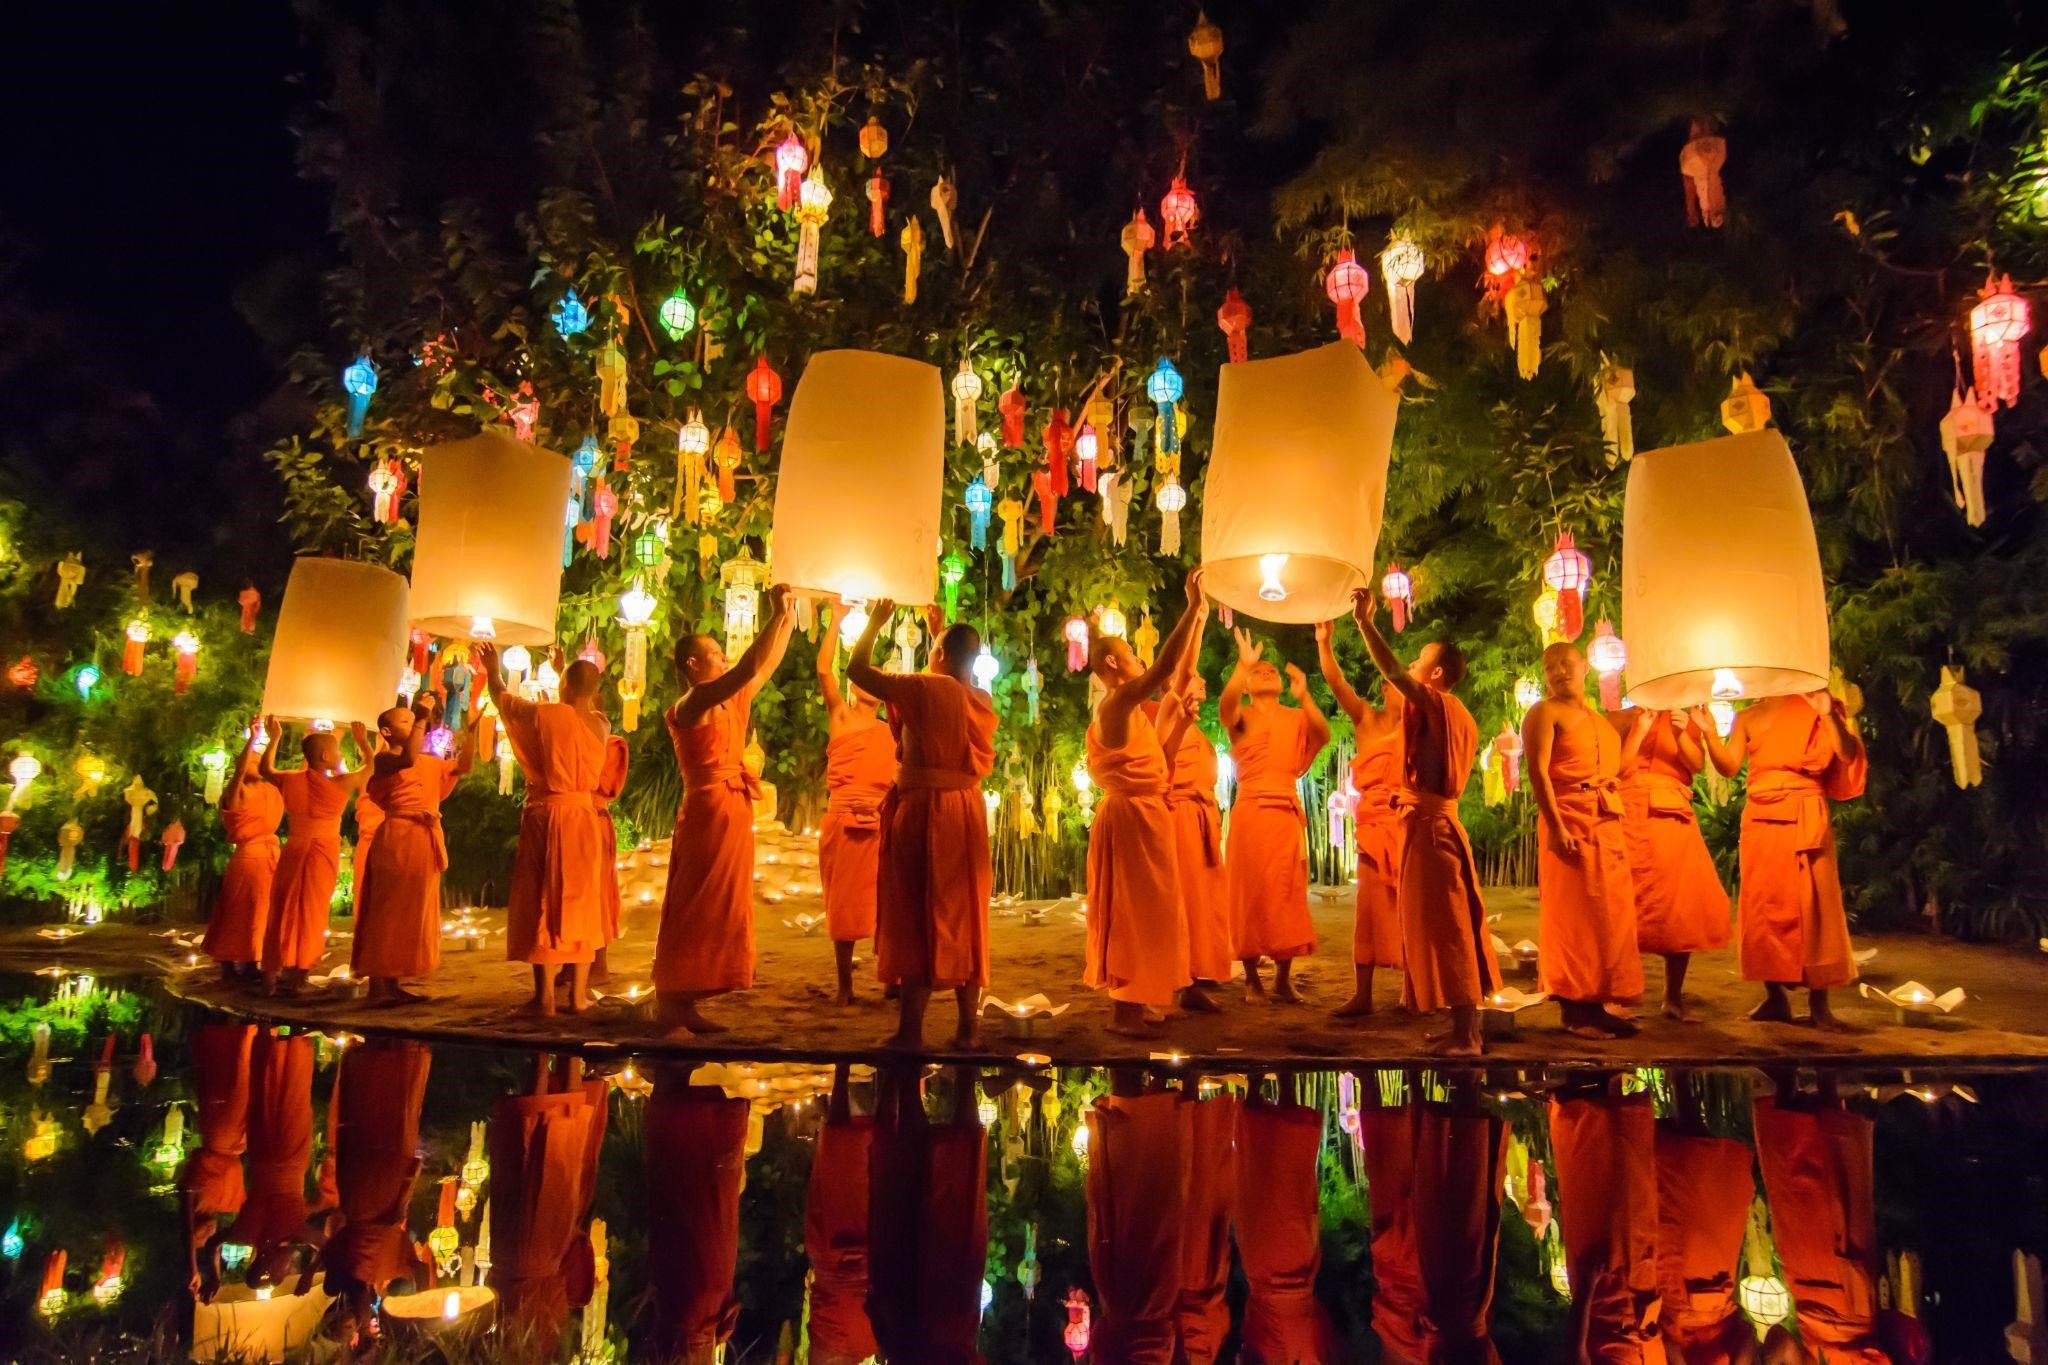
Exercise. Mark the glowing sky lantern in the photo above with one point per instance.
(1398, 591)
(1178, 213)
(1235, 318)
(571, 316)
(764, 386)
(1608, 656)
(678, 315)
(814, 205)
(967, 388)
(1569, 573)
(636, 610)
(1998, 324)
(1401, 266)
(791, 160)
(1076, 632)
(1346, 283)
(359, 381)
(488, 550)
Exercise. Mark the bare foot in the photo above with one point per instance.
(1154, 1015)
(1140, 1028)
(542, 1006)
(900, 1041)
(845, 997)
(1255, 995)
(1195, 1000)
(693, 1019)
(965, 1040)
(1680, 1009)
(1452, 1045)
(1775, 1009)
(1356, 1007)
(1593, 1031)
(1616, 1026)
(1284, 992)
(1830, 1022)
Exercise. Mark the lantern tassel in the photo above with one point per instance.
(1048, 502)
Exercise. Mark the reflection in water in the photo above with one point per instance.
(258, 1190)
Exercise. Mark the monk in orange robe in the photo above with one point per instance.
(1681, 906)
(860, 767)
(211, 1182)
(1273, 746)
(1400, 1316)
(302, 889)
(1444, 940)
(250, 812)
(706, 945)
(927, 1221)
(1818, 1179)
(616, 759)
(273, 1216)
(836, 1232)
(694, 1142)
(398, 929)
(1198, 845)
(376, 1164)
(556, 913)
(1279, 1233)
(1605, 1147)
(1802, 754)
(1136, 1188)
(1588, 896)
(1460, 1159)
(1376, 826)
(544, 1150)
(1704, 1188)
(931, 899)
(1137, 945)
(1208, 1209)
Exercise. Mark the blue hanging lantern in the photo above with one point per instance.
(570, 315)
(360, 379)
(582, 465)
(979, 501)
(88, 678)
(574, 519)
(1164, 388)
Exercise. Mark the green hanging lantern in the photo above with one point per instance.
(678, 315)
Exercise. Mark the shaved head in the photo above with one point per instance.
(581, 680)
(956, 651)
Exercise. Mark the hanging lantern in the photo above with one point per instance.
(1235, 318)
(791, 160)
(1087, 448)
(597, 532)
(1109, 621)
(945, 199)
(1205, 45)
(1172, 500)
(23, 673)
(1966, 433)
(387, 489)
(172, 838)
(1956, 707)
(912, 241)
(1571, 573)
(187, 646)
(678, 315)
(622, 431)
(1346, 283)
(134, 636)
(693, 443)
(1145, 639)
(1075, 1335)
(741, 577)
(979, 501)
(1524, 304)
(987, 668)
(966, 390)
(1401, 266)
(611, 378)
(873, 139)
(24, 769)
(1048, 502)
(814, 203)
(1527, 693)
(1545, 612)
(1058, 440)
(1608, 655)
(1032, 686)
(360, 382)
(1178, 213)
(1614, 390)
(1011, 513)
(1998, 324)
(1164, 387)
(1011, 405)
(1747, 407)
(953, 572)
(874, 143)
(214, 763)
(764, 386)
(1076, 632)
(1137, 239)
(571, 315)
(85, 680)
(1699, 163)
(1398, 591)
(907, 637)
(1507, 256)
(524, 414)
(636, 609)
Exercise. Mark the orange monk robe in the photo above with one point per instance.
(706, 941)
(927, 1238)
(1136, 1190)
(280, 1141)
(1377, 829)
(1198, 856)
(1399, 1306)
(241, 908)
(1681, 906)
(1795, 928)
(1279, 1236)
(1588, 898)
(556, 908)
(302, 890)
(1820, 1184)
(694, 1143)
(369, 819)
(544, 1152)
(1444, 940)
(931, 899)
(1207, 1211)
(1267, 863)
(836, 1243)
(220, 1082)
(1460, 1161)
(1607, 1213)
(613, 782)
(1704, 1188)
(376, 1141)
(860, 766)
(1137, 945)
(398, 927)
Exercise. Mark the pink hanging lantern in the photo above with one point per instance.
(791, 161)
(1998, 324)
(1508, 745)
(1076, 1334)
(1087, 451)
(1178, 213)
(1608, 655)
(1399, 592)
(1235, 318)
(1570, 573)
(1346, 284)
(1076, 631)
(1507, 256)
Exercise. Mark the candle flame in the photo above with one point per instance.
(451, 1305)
(1272, 589)
(1727, 687)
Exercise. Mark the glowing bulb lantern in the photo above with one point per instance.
(85, 680)
(1569, 573)
(1178, 213)
(359, 381)
(488, 550)
(1747, 407)
(1076, 633)
(764, 386)
(341, 640)
(858, 504)
(1346, 283)
(1507, 256)
(1608, 655)
(1398, 591)
(966, 390)
(791, 160)
(1110, 621)
(186, 646)
(571, 315)
(1235, 318)
(1721, 578)
(678, 315)
(135, 637)
(1297, 468)
(987, 668)
(1998, 324)
(636, 609)
(814, 204)
(1401, 266)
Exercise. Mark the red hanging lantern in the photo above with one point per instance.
(173, 839)
(1076, 631)
(9, 822)
(1235, 318)
(187, 646)
(791, 161)
(874, 143)
(1570, 573)
(1178, 213)
(23, 673)
(1998, 324)
(1058, 439)
(764, 386)
(1398, 591)
(1076, 1335)
(1346, 284)
(1011, 405)
(1087, 450)
(1048, 501)
(1507, 256)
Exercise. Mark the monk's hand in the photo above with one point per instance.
(778, 601)
(1363, 606)
(935, 619)
(1297, 683)
(1563, 840)
(1248, 650)
(483, 657)
(1822, 701)
(1322, 632)
(272, 729)
(1195, 579)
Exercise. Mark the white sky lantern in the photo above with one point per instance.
(858, 499)
(1297, 482)
(340, 643)
(1720, 575)
(489, 551)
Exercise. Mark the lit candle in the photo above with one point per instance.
(1727, 686)
(1272, 589)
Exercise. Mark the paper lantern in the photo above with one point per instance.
(1178, 213)
(1076, 632)
(1398, 590)
(1956, 706)
(1721, 574)
(1608, 655)
(1346, 284)
(1507, 256)
(186, 644)
(1613, 391)
(987, 668)
(966, 392)
(1966, 433)
(1032, 686)
(952, 573)
(1568, 573)
(678, 315)
(1136, 239)
(1401, 265)
(1297, 468)
(571, 315)
(1700, 162)
(1525, 304)
(1747, 407)
(489, 549)
(979, 501)
(1164, 387)
(1998, 324)
(764, 386)
(791, 160)
(814, 203)
(858, 503)
(1235, 318)
(1205, 45)
(340, 642)
(945, 200)
(1087, 453)
(360, 382)
(912, 241)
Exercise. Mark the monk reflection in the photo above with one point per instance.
(544, 1149)
(1435, 1178)
(836, 1232)
(928, 1221)
(1704, 1188)
(1279, 1233)
(211, 1182)
(1604, 1143)
(695, 1153)
(1209, 1207)
(376, 1163)
(273, 1221)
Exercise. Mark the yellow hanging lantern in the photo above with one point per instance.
(1956, 707)
(814, 203)
(1525, 304)
(912, 241)
(1747, 407)
(1545, 612)
(693, 443)
(1616, 390)
(1966, 433)
(1205, 45)
(741, 577)
(636, 609)
(1137, 238)
(727, 456)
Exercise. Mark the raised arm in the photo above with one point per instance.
(395, 761)
(1363, 607)
(1538, 730)
(1728, 753)
(1689, 746)
(1637, 734)
(246, 763)
(1114, 714)
(757, 661)
(828, 672)
(1176, 714)
(1317, 723)
(860, 661)
(1348, 700)
(273, 733)
(1229, 704)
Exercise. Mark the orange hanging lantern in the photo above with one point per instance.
(1399, 591)
(1205, 45)
(1235, 318)
(764, 386)
(1507, 256)
(187, 646)
(791, 161)
(1011, 405)
(1570, 573)
(1059, 438)
(1998, 324)
(1608, 655)
(135, 637)
(874, 145)
(727, 457)
(1346, 284)
(1178, 213)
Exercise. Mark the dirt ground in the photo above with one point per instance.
(1036, 949)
